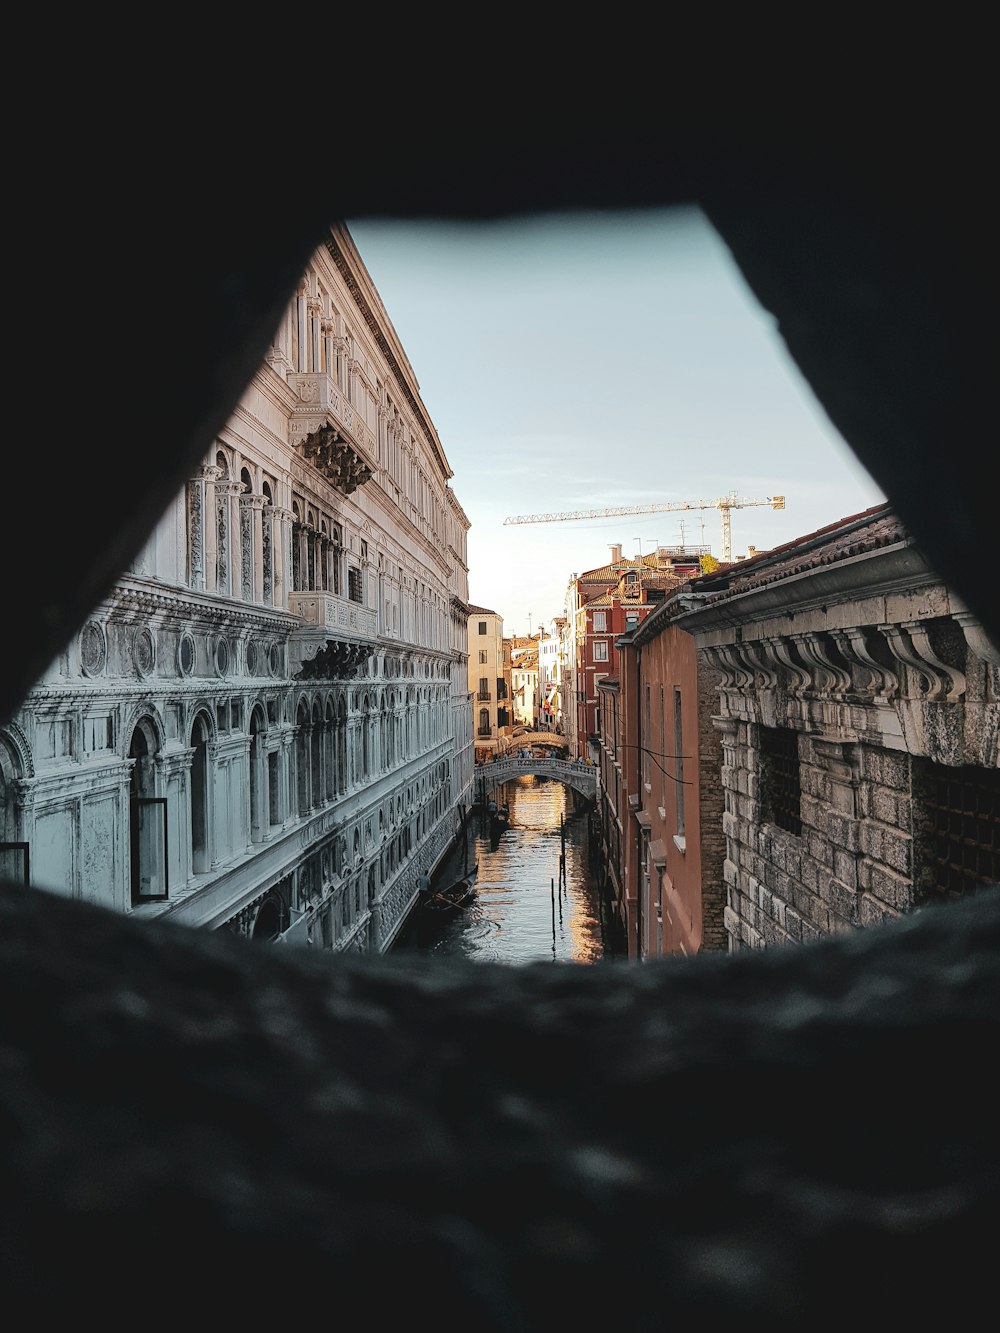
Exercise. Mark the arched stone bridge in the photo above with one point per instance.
(581, 777)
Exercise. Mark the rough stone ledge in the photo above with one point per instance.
(797, 1136)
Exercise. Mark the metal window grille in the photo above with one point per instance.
(781, 793)
(958, 822)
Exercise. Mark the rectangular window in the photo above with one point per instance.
(678, 766)
(149, 848)
(600, 651)
(600, 621)
(781, 796)
(98, 732)
(647, 736)
(14, 862)
(484, 687)
(482, 627)
(354, 585)
(483, 656)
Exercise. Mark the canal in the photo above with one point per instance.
(538, 896)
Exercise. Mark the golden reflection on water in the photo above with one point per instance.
(531, 905)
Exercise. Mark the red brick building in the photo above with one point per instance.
(611, 599)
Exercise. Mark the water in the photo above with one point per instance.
(530, 907)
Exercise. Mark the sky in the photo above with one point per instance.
(589, 361)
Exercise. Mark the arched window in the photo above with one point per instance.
(259, 777)
(14, 865)
(316, 755)
(302, 758)
(330, 751)
(341, 746)
(200, 788)
(365, 736)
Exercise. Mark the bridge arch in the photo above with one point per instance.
(572, 772)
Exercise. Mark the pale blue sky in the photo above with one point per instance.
(600, 360)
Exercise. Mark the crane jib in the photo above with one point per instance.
(725, 503)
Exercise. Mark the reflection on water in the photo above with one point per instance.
(533, 903)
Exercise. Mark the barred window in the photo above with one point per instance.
(957, 830)
(780, 792)
(354, 584)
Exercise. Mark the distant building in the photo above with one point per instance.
(524, 680)
(550, 676)
(801, 743)
(608, 601)
(487, 686)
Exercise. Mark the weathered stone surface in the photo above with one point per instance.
(522, 1148)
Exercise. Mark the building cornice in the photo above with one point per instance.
(348, 266)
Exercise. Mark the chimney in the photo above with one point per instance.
(616, 554)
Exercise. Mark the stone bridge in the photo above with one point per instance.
(581, 777)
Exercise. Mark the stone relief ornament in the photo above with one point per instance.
(186, 654)
(93, 648)
(143, 652)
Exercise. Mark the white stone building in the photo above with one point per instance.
(550, 674)
(265, 726)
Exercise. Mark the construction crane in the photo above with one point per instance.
(725, 503)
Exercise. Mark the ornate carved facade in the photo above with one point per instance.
(266, 725)
(859, 710)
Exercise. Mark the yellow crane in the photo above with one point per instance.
(724, 503)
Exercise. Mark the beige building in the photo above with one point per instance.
(264, 727)
(486, 682)
(524, 680)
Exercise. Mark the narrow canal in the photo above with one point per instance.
(537, 892)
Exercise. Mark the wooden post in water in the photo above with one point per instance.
(562, 851)
(553, 892)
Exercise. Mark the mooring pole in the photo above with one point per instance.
(553, 892)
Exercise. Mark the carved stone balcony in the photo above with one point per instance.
(328, 433)
(335, 636)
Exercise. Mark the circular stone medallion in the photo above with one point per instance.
(93, 648)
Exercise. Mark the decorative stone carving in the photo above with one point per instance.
(909, 644)
(853, 643)
(949, 679)
(93, 648)
(143, 651)
(801, 679)
(186, 654)
(765, 676)
(976, 638)
(338, 660)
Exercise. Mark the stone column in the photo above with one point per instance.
(252, 541)
(225, 498)
(201, 534)
(281, 555)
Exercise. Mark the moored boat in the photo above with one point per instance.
(499, 820)
(442, 904)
